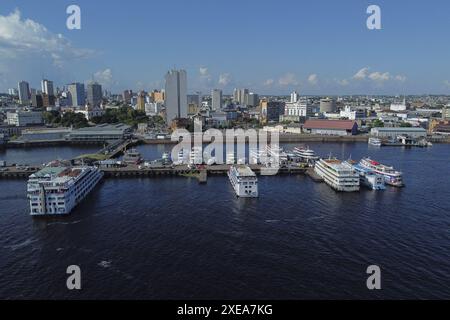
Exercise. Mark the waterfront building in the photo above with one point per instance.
(176, 95)
(243, 181)
(24, 118)
(327, 105)
(57, 190)
(94, 94)
(24, 92)
(331, 127)
(395, 132)
(340, 176)
(76, 94)
(47, 134)
(216, 97)
(101, 133)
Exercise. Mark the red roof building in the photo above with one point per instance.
(331, 127)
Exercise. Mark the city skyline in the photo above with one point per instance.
(271, 48)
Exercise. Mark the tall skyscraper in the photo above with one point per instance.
(127, 94)
(47, 87)
(176, 95)
(24, 92)
(94, 94)
(76, 94)
(216, 97)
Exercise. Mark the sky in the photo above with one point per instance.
(320, 47)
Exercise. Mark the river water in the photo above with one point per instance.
(172, 238)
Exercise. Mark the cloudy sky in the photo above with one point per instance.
(271, 47)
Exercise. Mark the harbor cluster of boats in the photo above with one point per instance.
(349, 176)
(58, 188)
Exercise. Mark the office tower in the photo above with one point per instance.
(236, 95)
(127, 94)
(94, 94)
(216, 97)
(141, 101)
(24, 92)
(253, 100)
(176, 95)
(47, 87)
(244, 97)
(48, 100)
(294, 96)
(76, 94)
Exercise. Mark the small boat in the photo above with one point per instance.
(375, 142)
(341, 176)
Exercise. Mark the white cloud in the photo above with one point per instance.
(313, 79)
(203, 71)
(26, 37)
(361, 74)
(224, 79)
(400, 78)
(288, 79)
(380, 77)
(269, 82)
(104, 77)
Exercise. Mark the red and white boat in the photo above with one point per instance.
(391, 176)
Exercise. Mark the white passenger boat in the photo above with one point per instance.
(339, 175)
(391, 176)
(244, 181)
(306, 154)
(57, 190)
(369, 178)
(375, 142)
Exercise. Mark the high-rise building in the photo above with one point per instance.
(94, 94)
(76, 94)
(294, 96)
(47, 87)
(253, 100)
(176, 95)
(141, 101)
(24, 92)
(48, 100)
(216, 97)
(127, 94)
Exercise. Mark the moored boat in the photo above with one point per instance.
(391, 176)
(341, 176)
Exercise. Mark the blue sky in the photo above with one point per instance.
(271, 47)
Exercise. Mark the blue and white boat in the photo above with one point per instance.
(369, 178)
